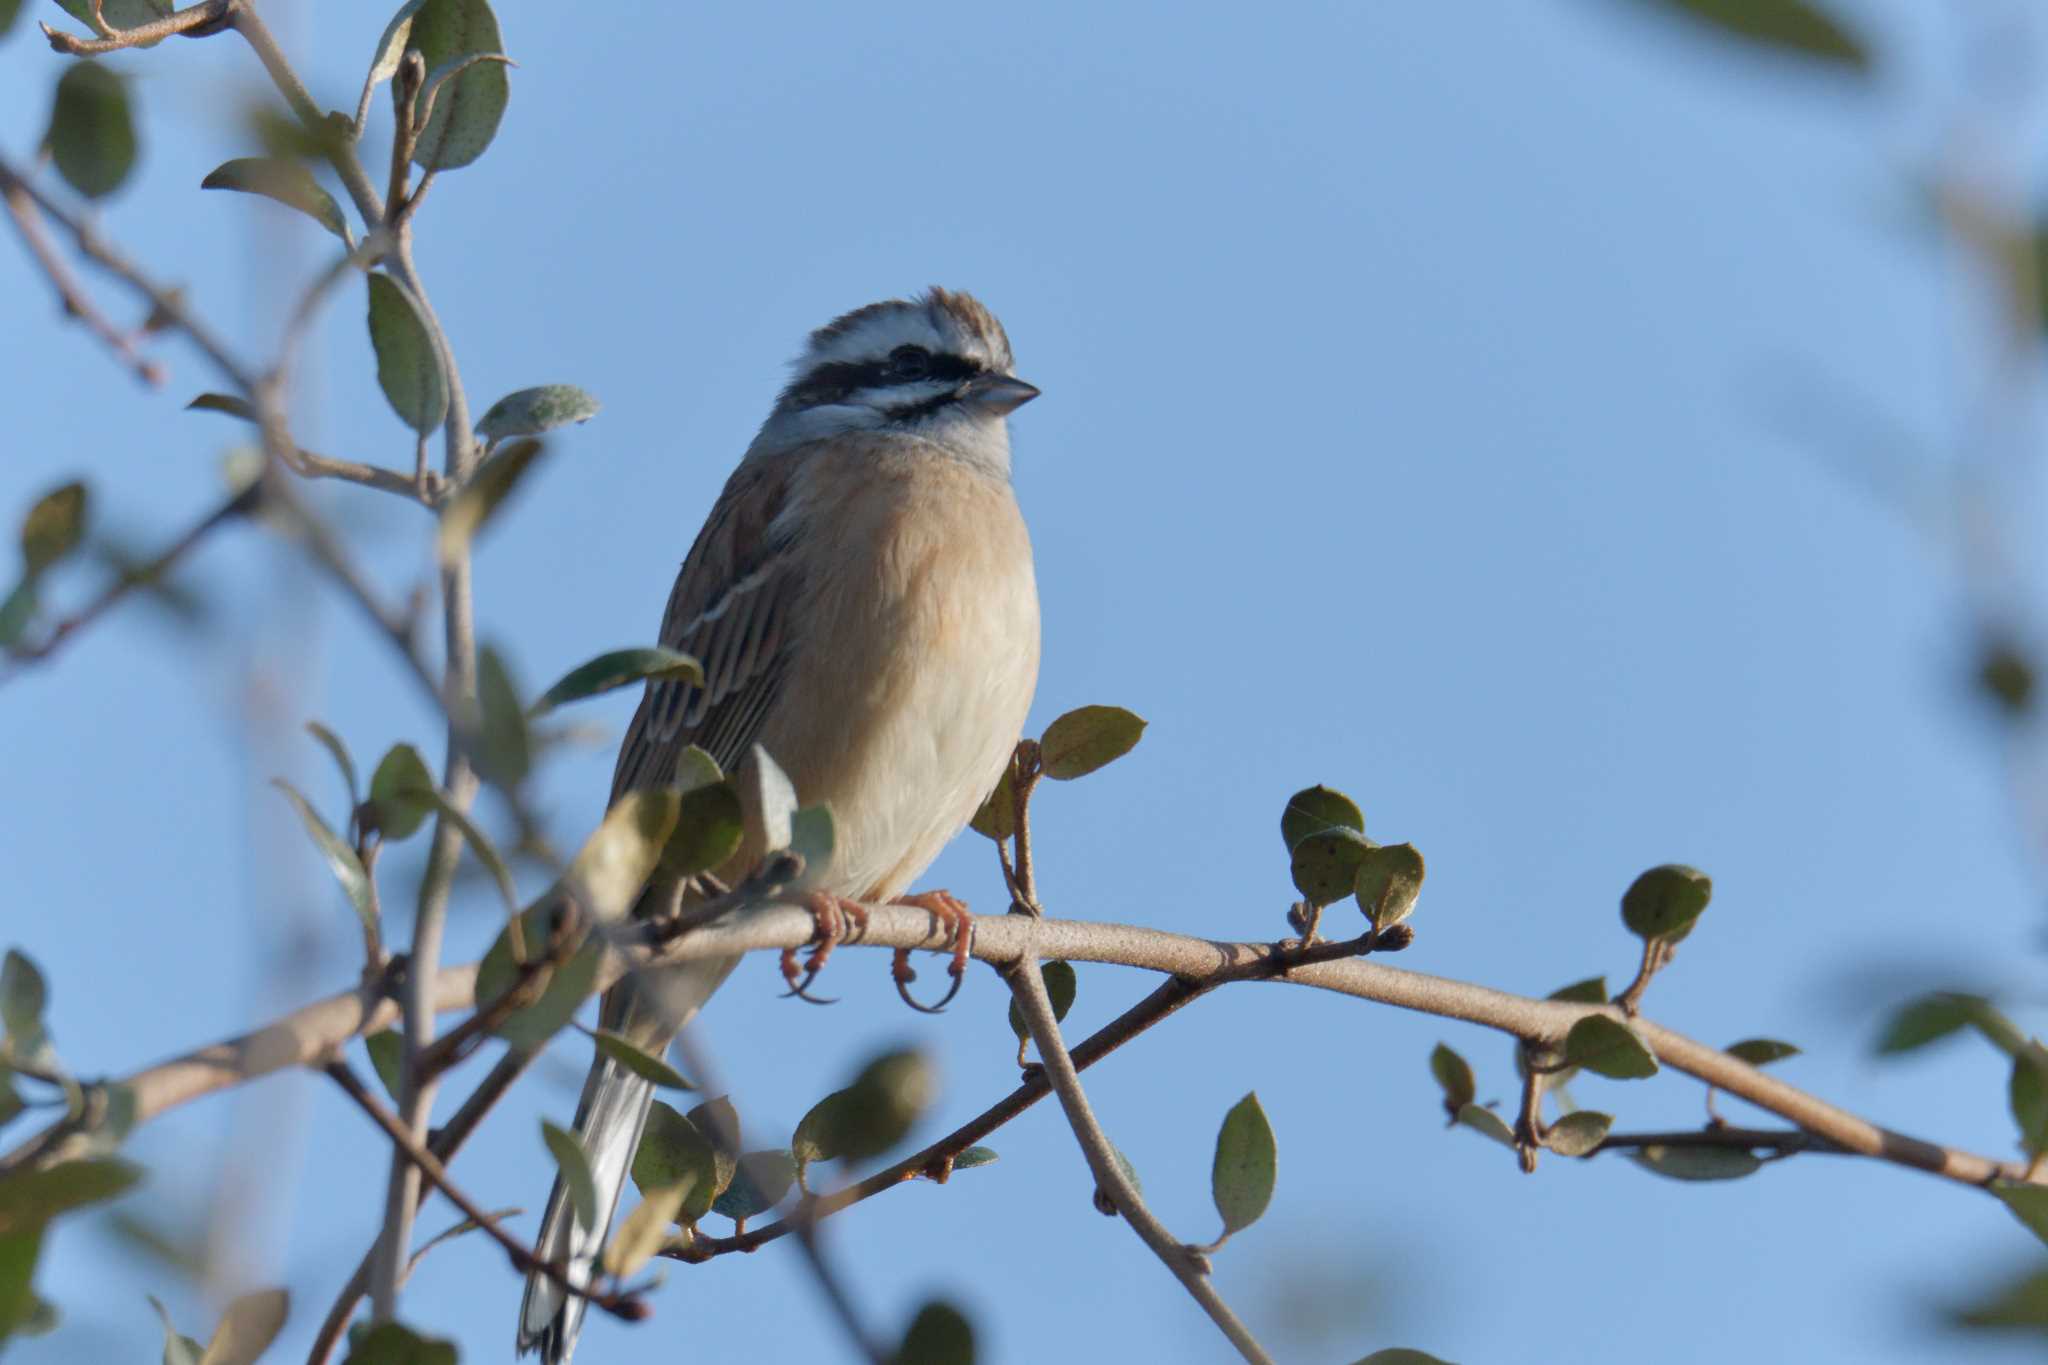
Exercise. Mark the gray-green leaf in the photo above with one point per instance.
(1060, 986)
(1697, 1163)
(339, 752)
(468, 511)
(529, 412)
(639, 1061)
(286, 181)
(1792, 26)
(1454, 1076)
(504, 751)
(757, 1185)
(409, 368)
(1242, 1176)
(619, 668)
(1325, 864)
(1315, 809)
(1665, 902)
(465, 114)
(54, 527)
(23, 997)
(92, 130)
(567, 1149)
(341, 859)
(1484, 1121)
(402, 792)
(940, 1334)
(1580, 1132)
(1388, 881)
(387, 1059)
(1762, 1051)
(1605, 1045)
(1087, 738)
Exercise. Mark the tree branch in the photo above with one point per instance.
(76, 302)
(188, 20)
(1027, 987)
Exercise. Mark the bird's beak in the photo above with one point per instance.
(997, 394)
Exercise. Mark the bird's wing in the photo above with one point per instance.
(730, 610)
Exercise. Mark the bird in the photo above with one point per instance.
(864, 606)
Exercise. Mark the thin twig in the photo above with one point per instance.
(1027, 988)
(341, 151)
(422, 1159)
(156, 30)
(76, 302)
(130, 579)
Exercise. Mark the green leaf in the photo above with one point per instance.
(438, 79)
(2029, 1094)
(119, 14)
(710, 822)
(529, 412)
(758, 1185)
(178, 1348)
(288, 182)
(16, 611)
(1400, 1355)
(1060, 986)
(24, 995)
(567, 1149)
(1242, 1176)
(1762, 1051)
(1591, 991)
(1325, 864)
(1454, 1077)
(1487, 1123)
(390, 47)
(409, 368)
(566, 988)
(871, 1115)
(1665, 902)
(2029, 1204)
(19, 1248)
(402, 792)
(1697, 1163)
(339, 752)
(223, 402)
(1580, 1132)
(996, 818)
(812, 837)
(673, 1152)
(1316, 809)
(1087, 738)
(1929, 1019)
(1607, 1046)
(247, 1328)
(939, 1335)
(619, 668)
(465, 114)
(975, 1156)
(54, 527)
(1124, 1164)
(615, 862)
(341, 859)
(504, 750)
(391, 1343)
(1388, 881)
(92, 131)
(640, 1062)
(719, 1123)
(32, 1197)
(468, 511)
(387, 1059)
(1789, 26)
(641, 1232)
(2021, 1303)
(479, 844)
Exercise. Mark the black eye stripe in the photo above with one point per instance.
(833, 381)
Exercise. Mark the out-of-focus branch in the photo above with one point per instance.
(76, 302)
(1027, 988)
(190, 20)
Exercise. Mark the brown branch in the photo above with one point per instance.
(193, 20)
(76, 302)
(427, 1164)
(1027, 988)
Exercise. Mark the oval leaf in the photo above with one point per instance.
(1929, 1019)
(620, 668)
(1762, 1051)
(504, 748)
(1388, 881)
(246, 1330)
(975, 1156)
(567, 1150)
(1087, 738)
(1579, 1133)
(1665, 902)
(387, 1059)
(1697, 1163)
(1483, 1120)
(1325, 864)
(391, 1343)
(939, 1335)
(996, 818)
(1241, 1179)
(401, 792)
(615, 862)
(641, 1063)
(758, 1184)
(1316, 809)
(1796, 27)
(1060, 986)
(341, 859)
(1454, 1076)
(1591, 991)
(288, 182)
(710, 823)
(54, 527)
(92, 132)
(1610, 1048)
(223, 402)
(23, 997)
(465, 113)
(529, 412)
(641, 1233)
(673, 1152)
(1400, 1355)
(408, 362)
(468, 511)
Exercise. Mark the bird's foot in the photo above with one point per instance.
(952, 913)
(836, 918)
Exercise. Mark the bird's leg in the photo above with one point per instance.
(833, 915)
(951, 912)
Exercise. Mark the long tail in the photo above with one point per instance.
(609, 1119)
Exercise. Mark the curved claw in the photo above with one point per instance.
(903, 976)
(830, 914)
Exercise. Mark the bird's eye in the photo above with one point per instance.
(910, 362)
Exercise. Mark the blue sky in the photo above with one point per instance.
(1464, 406)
